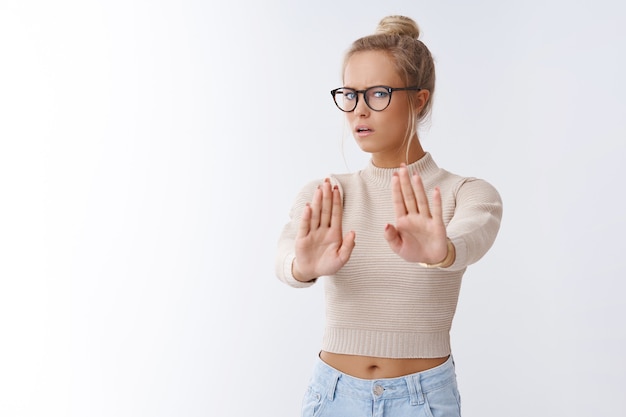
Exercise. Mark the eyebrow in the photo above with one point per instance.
(363, 89)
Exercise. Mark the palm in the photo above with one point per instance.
(419, 234)
(320, 247)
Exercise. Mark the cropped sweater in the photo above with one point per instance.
(378, 304)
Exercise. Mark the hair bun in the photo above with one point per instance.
(398, 25)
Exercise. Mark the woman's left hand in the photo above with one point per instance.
(419, 234)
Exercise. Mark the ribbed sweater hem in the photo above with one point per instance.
(386, 344)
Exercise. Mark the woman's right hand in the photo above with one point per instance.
(321, 248)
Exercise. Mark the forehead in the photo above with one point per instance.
(369, 68)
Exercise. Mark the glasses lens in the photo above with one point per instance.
(377, 98)
(345, 98)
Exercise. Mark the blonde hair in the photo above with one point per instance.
(398, 36)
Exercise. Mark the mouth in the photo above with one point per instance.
(363, 130)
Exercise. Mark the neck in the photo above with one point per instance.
(394, 160)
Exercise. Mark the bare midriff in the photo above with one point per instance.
(368, 367)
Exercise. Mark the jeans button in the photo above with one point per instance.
(378, 390)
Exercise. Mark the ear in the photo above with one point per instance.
(422, 98)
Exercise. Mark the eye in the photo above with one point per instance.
(379, 93)
(348, 94)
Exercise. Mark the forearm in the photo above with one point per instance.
(285, 272)
(475, 224)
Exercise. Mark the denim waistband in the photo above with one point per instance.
(332, 382)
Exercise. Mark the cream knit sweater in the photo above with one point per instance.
(378, 304)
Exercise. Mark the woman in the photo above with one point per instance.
(393, 240)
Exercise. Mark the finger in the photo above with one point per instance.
(396, 196)
(393, 237)
(305, 222)
(337, 213)
(316, 207)
(346, 247)
(407, 190)
(420, 195)
(437, 211)
(327, 204)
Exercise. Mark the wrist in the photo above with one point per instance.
(295, 272)
(447, 261)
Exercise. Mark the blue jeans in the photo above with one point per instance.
(431, 393)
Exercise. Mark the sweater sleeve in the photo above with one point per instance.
(476, 221)
(285, 254)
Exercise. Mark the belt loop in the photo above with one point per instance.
(418, 386)
(415, 389)
(333, 385)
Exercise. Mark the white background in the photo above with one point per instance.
(150, 152)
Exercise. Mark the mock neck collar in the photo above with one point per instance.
(425, 167)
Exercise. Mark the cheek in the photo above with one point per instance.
(398, 121)
(399, 132)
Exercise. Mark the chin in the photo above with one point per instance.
(367, 149)
(365, 145)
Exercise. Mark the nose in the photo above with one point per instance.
(361, 109)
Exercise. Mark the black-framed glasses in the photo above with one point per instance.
(377, 98)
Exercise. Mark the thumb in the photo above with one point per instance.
(393, 237)
(346, 246)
